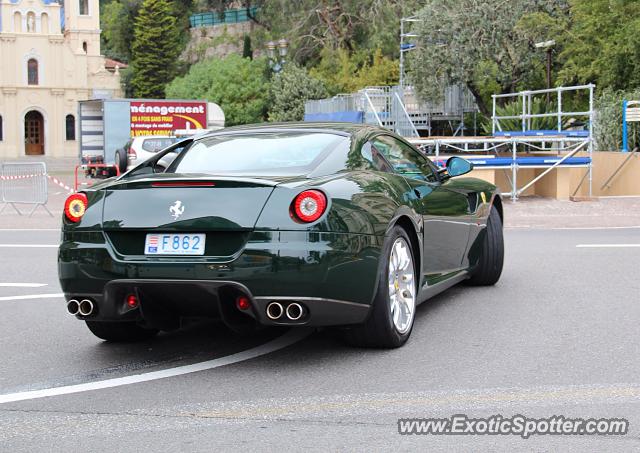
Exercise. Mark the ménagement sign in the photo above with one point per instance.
(165, 117)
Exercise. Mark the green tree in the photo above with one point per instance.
(155, 49)
(290, 89)
(117, 19)
(247, 51)
(237, 84)
(603, 44)
(345, 72)
(314, 25)
(474, 42)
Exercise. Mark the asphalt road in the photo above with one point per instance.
(557, 336)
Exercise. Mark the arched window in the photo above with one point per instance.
(17, 22)
(32, 71)
(44, 23)
(70, 123)
(84, 7)
(84, 46)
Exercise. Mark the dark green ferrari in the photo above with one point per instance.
(295, 224)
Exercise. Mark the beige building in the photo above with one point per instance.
(49, 60)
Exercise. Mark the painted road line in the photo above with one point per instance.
(29, 229)
(289, 338)
(32, 246)
(22, 285)
(31, 296)
(608, 246)
(530, 227)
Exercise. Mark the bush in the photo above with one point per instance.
(342, 72)
(238, 85)
(290, 89)
(514, 108)
(607, 130)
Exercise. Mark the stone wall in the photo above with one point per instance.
(217, 41)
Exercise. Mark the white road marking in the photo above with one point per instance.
(529, 227)
(31, 296)
(20, 246)
(596, 246)
(29, 229)
(289, 338)
(22, 285)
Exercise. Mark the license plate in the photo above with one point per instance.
(174, 244)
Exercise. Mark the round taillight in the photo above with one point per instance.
(75, 206)
(309, 206)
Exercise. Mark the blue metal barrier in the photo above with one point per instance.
(341, 117)
(522, 161)
(541, 133)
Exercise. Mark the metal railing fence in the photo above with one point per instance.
(23, 183)
(230, 16)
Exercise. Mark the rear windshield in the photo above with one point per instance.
(153, 145)
(273, 153)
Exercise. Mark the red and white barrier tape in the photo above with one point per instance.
(50, 178)
(54, 180)
(12, 178)
(60, 183)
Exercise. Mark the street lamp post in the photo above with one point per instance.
(277, 60)
(548, 46)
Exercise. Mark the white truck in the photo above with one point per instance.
(107, 126)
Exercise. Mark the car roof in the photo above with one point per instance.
(329, 127)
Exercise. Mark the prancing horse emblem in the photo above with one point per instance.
(176, 209)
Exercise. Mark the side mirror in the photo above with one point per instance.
(457, 166)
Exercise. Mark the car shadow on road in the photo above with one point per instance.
(332, 338)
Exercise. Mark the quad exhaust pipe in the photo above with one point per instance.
(293, 311)
(73, 307)
(83, 308)
(86, 307)
(274, 310)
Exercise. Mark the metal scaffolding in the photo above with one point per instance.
(396, 108)
(564, 143)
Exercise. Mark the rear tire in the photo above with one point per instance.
(391, 318)
(120, 331)
(489, 267)
(121, 161)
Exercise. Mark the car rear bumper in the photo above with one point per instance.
(331, 276)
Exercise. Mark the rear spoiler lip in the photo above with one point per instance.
(202, 180)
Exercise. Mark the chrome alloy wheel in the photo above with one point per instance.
(402, 298)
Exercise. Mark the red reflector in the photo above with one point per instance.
(132, 301)
(75, 207)
(182, 184)
(243, 303)
(309, 206)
